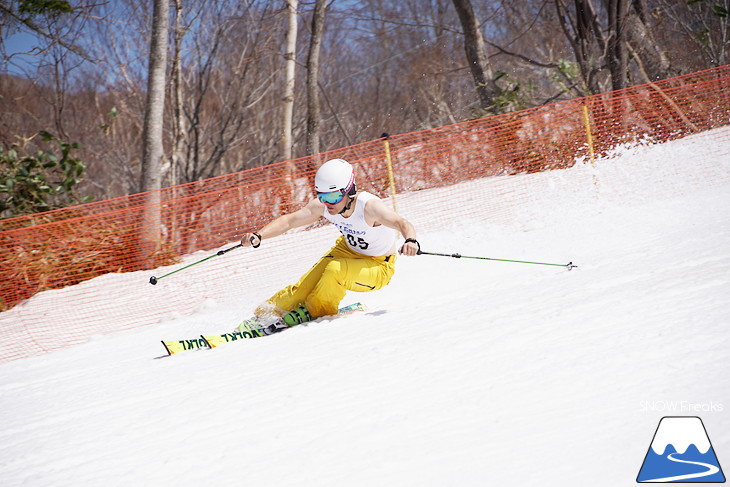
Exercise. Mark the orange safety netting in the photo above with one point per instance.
(141, 232)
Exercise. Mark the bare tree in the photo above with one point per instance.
(700, 28)
(313, 109)
(476, 55)
(582, 29)
(179, 127)
(380, 66)
(291, 63)
(616, 45)
(650, 56)
(32, 15)
(54, 59)
(230, 97)
(152, 150)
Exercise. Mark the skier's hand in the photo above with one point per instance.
(410, 247)
(252, 239)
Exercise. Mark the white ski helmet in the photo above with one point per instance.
(335, 175)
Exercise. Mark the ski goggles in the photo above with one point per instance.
(332, 198)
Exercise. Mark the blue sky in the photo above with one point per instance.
(18, 43)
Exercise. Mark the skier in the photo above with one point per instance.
(362, 259)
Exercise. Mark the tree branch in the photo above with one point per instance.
(40, 31)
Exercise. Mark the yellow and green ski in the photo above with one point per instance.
(212, 341)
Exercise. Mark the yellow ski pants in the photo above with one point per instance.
(322, 288)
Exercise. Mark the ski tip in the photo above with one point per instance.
(352, 307)
(167, 349)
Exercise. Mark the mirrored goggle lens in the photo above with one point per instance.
(331, 198)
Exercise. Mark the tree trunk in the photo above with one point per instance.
(179, 128)
(287, 136)
(652, 58)
(617, 52)
(152, 150)
(476, 55)
(313, 112)
(590, 45)
(290, 56)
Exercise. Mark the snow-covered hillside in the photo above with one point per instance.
(463, 372)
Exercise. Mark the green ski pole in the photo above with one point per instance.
(569, 265)
(153, 279)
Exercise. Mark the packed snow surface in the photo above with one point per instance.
(462, 372)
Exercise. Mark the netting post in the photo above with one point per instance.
(389, 162)
(589, 136)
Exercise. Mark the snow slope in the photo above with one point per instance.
(462, 372)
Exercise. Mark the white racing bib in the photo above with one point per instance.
(361, 237)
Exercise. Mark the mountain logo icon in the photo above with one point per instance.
(681, 452)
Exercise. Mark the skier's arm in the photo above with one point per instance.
(376, 213)
(303, 216)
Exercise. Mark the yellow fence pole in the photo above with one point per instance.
(389, 163)
(589, 136)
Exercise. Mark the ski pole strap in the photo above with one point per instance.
(413, 240)
(257, 236)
